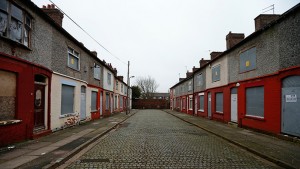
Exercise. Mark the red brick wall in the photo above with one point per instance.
(150, 104)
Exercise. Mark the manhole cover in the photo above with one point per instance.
(105, 160)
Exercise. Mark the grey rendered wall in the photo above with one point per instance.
(289, 41)
(49, 49)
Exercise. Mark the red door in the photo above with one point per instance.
(39, 106)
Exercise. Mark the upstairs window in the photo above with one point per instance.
(248, 60)
(15, 23)
(190, 86)
(199, 80)
(216, 73)
(108, 78)
(117, 85)
(97, 71)
(122, 88)
(73, 59)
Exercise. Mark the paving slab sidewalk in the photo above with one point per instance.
(49, 151)
(284, 153)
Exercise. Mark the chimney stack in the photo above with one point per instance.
(181, 79)
(188, 74)
(195, 69)
(121, 78)
(94, 53)
(264, 19)
(233, 39)
(203, 62)
(213, 55)
(53, 13)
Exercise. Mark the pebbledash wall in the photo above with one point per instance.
(40, 71)
(258, 85)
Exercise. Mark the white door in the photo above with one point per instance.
(233, 105)
(83, 103)
(209, 105)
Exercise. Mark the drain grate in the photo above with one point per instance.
(104, 160)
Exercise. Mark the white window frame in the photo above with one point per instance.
(72, 52)
(190, 102)
(201, 94)
(25, 21)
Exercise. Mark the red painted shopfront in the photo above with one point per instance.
(24, 100)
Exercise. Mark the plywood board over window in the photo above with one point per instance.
(7, 95)
(216, 73)
(248, 60)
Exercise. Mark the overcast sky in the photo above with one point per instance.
(161, 38)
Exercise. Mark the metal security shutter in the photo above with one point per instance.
(234, 90)
(219, 102)
(94, 100)
(202, 102)
(67, 99)
(255, 101)
(292, 81)
(107, 101)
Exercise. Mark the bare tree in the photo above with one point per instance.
(148, 86)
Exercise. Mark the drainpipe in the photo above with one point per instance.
(193, 96)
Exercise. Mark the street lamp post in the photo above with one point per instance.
(128, 86)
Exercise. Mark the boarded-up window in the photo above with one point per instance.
(94, 101)
(121, 101)
(216, 73)
(248, 60)
(108, 78)
(202, 102)
(190, 86)
(255, 101)
(8, 84)
(199, 80)
(219, 102)
(107, 99)
(67, 99)
(97, 71)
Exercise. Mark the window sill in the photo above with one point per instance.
(218, 112)
(67, 115)
(15, 44)
(78, 70)
(94, 111)
(255, 118)
(9, 122)
(201, 111)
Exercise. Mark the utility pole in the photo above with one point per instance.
(128, 85)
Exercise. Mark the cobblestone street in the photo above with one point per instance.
(155, 139)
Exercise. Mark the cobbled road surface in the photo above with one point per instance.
(155, 139)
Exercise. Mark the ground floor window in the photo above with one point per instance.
(190, 102)
(121, 101)
(107, 99)
(201, 108)
(94, 101)
(8, 86)
(219, 102)
(67, 99)
(255, 101)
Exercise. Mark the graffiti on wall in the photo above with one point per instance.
(71, 121)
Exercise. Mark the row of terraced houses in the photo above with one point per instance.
(48, 79)
(255, 83)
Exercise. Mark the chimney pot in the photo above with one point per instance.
(94, 53)
(203, 62)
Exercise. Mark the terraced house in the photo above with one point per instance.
(255, 83)
(48, 79)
